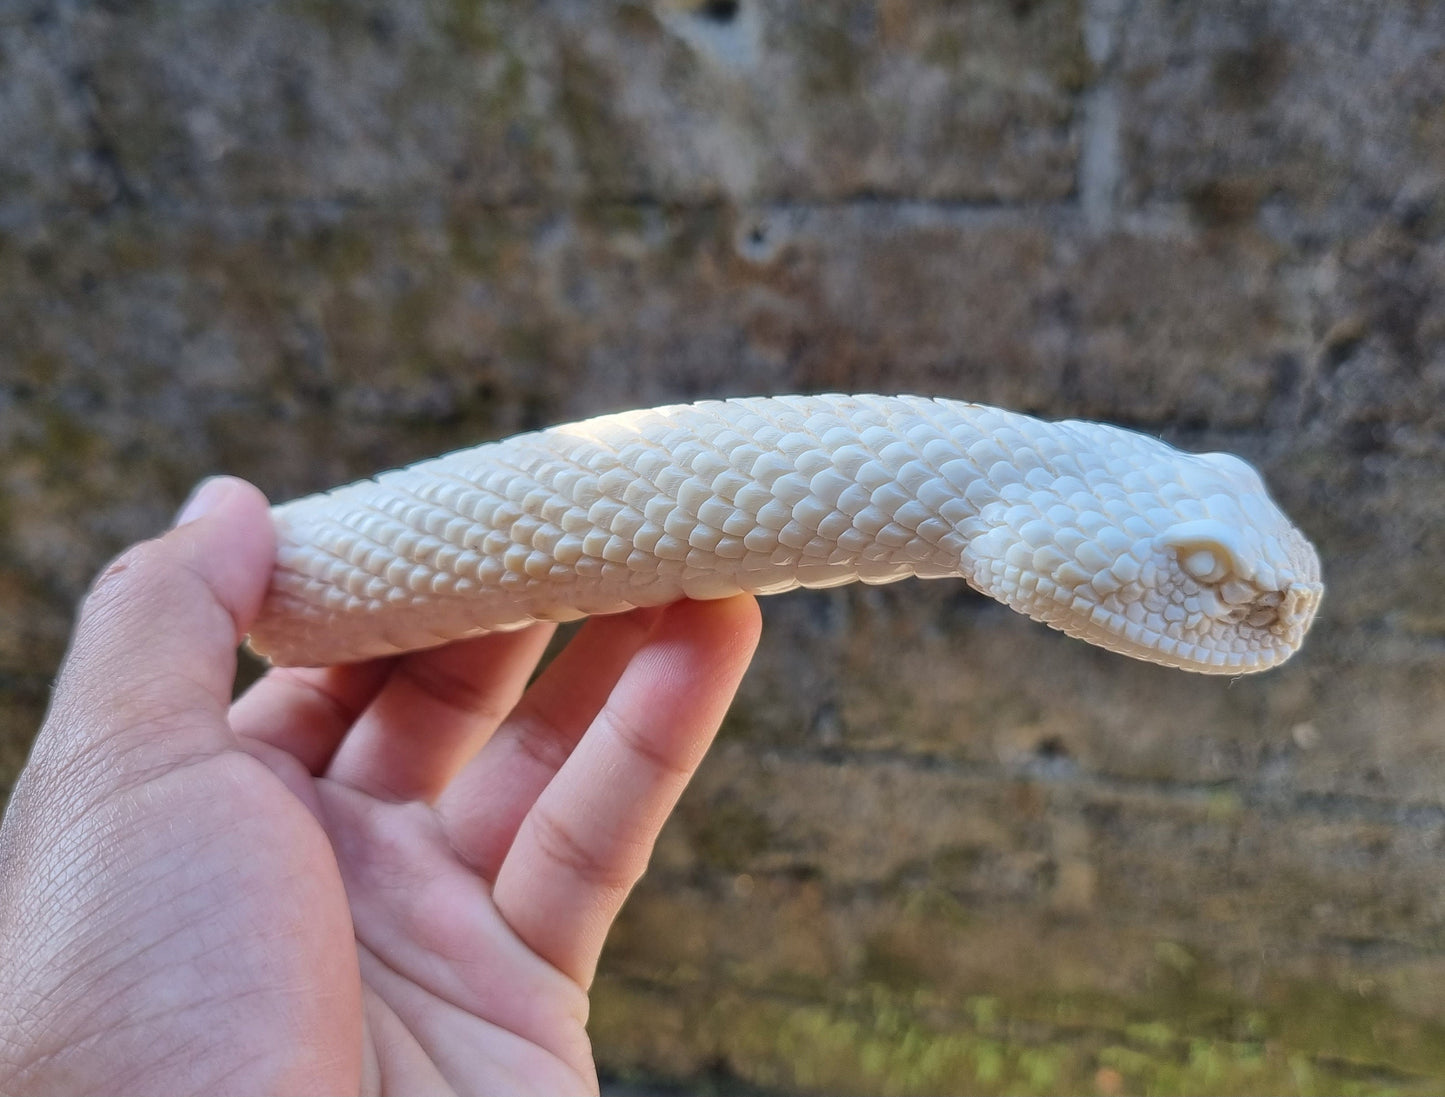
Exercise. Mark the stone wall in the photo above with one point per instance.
(938, 847)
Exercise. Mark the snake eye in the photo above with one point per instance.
(1204, 566)
(1208, 550)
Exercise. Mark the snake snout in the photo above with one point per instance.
(1301, 600)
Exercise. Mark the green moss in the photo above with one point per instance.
(728, 835)
(134, 244)
(831, 61)
(613, 218)
(1176, 958)
(471, 25)
(38, 369)
(474, 242)
(584, 90)
(890, 963)
(339, 251)
(412, 312)
(1224, 805)
(67, 437)
(946, 49)
(637, 20)
(69, 446)
(889, 1034)
(331, 15)
(1226, 203)
(951, 866)
(1067, 56)
(1247, 78)
(529, 344)
(937, 906)
(743, 722)
(1155, 1034)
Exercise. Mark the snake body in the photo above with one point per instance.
(1106, 534)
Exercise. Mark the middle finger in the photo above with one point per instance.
(435, 711)
(485, 805)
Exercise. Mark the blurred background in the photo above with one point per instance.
(937, 847)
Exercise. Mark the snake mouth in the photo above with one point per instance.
(1243, 639)
(1159, 647)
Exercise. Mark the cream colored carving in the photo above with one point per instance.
(1103, 533)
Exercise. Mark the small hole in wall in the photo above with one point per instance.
(755, 241)
(719, 11)
(1052, 746)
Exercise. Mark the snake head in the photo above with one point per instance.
(1175, 558)
(1250, 596)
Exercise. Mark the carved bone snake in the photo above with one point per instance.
(1104, 533)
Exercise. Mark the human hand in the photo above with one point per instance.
(389, 877)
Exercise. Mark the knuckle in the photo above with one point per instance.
(452, 690)
(540, 738)
(589, 861)
(313, 694)
(120, 579)
(651, 750)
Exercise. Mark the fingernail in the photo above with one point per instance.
(202, 500)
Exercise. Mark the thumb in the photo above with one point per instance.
(153, 658)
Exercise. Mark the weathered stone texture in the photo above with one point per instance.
(938, 847)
